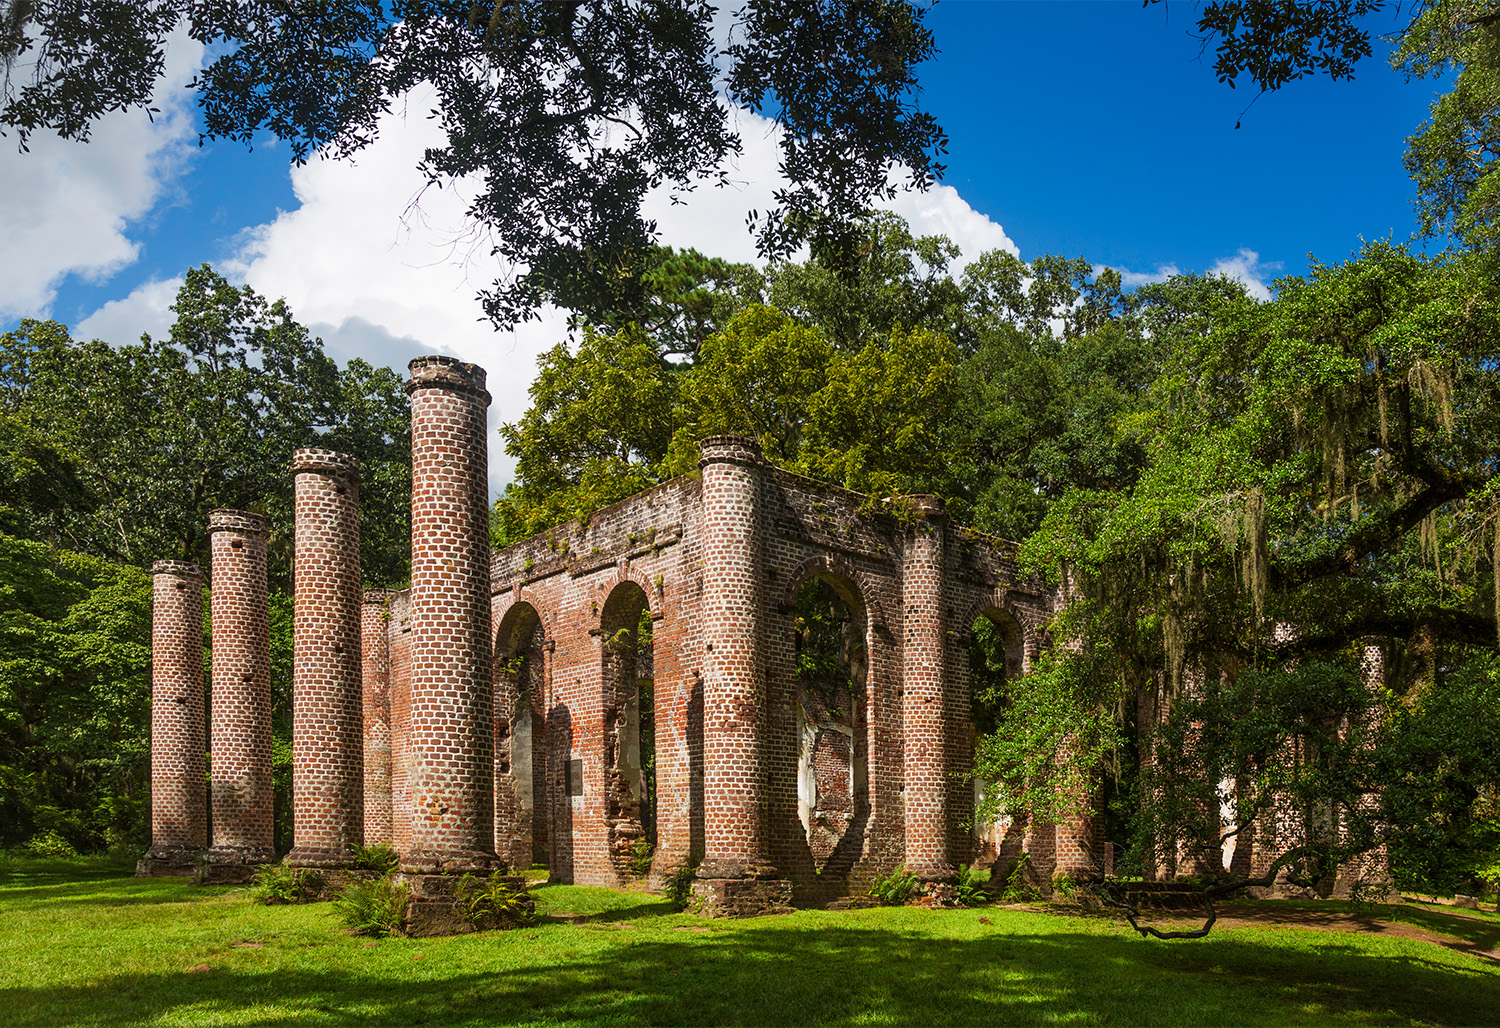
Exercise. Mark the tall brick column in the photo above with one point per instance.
(450, 741)
(179, 792)
(736, 876)
(240, 713)
(375, 655)
(327, 705)
(924, 706)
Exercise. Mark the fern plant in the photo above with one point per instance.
(376, 908)
(896, 888)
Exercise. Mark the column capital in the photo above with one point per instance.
(729, 449)
(447, 373)
(325, 462)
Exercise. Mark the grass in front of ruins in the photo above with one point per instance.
(82, 943)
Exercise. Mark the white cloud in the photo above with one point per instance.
(1134, 279)
(144, 310)
(65, 207)
(1246, 268)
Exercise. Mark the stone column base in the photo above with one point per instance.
(301, 856)
(235, 865)
(450, 862)
(437, 904)
(742, 897)
(167, 863)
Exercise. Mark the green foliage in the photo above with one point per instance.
(380, 858)
(678, 883)
(279, 883)
(496, 903)
(895, 889)
(375, 907)
(971, 885)
(1020, 882)
(1454, 156)
(641, 852)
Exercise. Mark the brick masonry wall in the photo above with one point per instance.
(399, 648)
(240, 726)
(450, 740)
(327, 704)
(179, 793)
(924, 678)
(375, 681)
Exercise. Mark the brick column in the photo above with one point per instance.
(179, 792)
(924, 705)
(450, 741)
(736, 848)
(375, 656)
(327, 709)
(240, 728)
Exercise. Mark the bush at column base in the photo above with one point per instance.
(444, 904)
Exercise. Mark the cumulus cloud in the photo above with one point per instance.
(144, 310)
(1134, 279)
(66, 207)
(1246, 268)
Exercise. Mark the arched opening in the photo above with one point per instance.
(997, 657)
(833, 794)
(629, 729)
(522, 814)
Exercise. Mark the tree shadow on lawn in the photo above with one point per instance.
(765, 973)
(111, 891)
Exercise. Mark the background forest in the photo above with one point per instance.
(1246, 499)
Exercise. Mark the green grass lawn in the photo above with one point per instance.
(85, 944)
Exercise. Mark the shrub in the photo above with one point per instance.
(971, 885)
(679, 883)
(641, 852)
(50, 844)
(895, 889)
(376, 907)
(379, 858)
(277, 883)
(497, 903)
(1019, 887)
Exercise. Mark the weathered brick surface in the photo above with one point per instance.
(327, 707)
(179, 795)
(450, 732)
(375, 676)
(399, 648)
(924, 681)
(240, 713)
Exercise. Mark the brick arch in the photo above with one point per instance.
(866, 594)
(1033, 638)
(510, 613)
(605, 588)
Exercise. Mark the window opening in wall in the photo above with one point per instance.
(996, 659)
(630, 728)
(832, 782)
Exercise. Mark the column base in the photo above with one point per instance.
(235, 865)
(450, 862)
(742, 897)
(438, 904)
(168, 862)
(308, 856)
(939, 884)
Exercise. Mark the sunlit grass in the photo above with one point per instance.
(84, 944)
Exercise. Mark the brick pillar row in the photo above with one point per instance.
(735, 844)
(375, 651)
(179, 792)
(450, 742)
(240, 729)
(924, 707)
(327, 681)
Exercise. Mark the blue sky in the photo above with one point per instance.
(1082, 128)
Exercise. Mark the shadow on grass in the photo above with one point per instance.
(775, 974)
